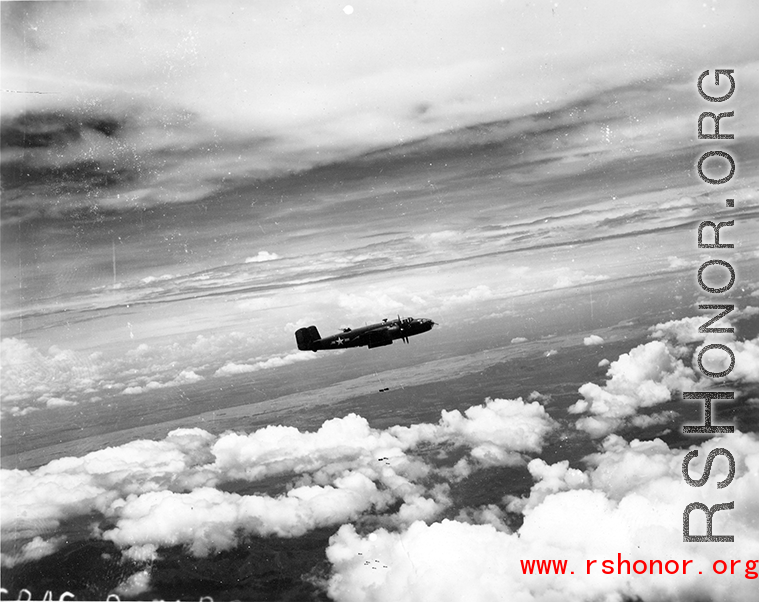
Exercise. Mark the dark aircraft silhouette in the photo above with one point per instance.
(374, 335)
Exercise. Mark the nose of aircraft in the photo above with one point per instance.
(427, 323)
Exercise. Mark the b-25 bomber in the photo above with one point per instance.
(374, 335)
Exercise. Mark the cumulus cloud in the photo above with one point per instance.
(682, 334)
(652, 372)
(489, 514)
(549, 479)
(592, 339)
(158, 362)
(163, 493)
(570, 278)
(685, 331)
(57, 402)
(70, 487)
(232, 368)
(33, 550)
(185, 377)
(152, 279)
(255, 305)
(371, 303)
(644, 377)
(134, 585)
(745, 355)
(496, 430)
(479, 293)
(261, 257)
(207, 519)
(442, 237)
(629, 501)
(34, 380)
(677, 263)
(507, 427)
(645, 421)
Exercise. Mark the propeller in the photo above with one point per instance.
(400, 329)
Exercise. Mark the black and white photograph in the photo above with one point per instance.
(379, 300)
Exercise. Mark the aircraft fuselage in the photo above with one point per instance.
(373, 335)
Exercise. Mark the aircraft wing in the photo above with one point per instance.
(379, 337)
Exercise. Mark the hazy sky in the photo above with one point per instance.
(182, 170)
(187, 183)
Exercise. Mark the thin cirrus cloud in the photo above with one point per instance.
(234, 62)
(187, 102)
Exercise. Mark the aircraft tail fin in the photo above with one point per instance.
(306, 336)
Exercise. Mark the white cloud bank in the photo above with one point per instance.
(644, 377)
(261, 257)
(629, 502)
(232, 368)
(163, 493)
(651, 373)
(35, 380)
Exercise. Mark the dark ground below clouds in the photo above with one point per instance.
(261, 569)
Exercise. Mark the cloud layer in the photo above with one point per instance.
(164, 493)
(268, 89)
(630, 502)
(652, 373)
(390, 494)
(33, 380)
